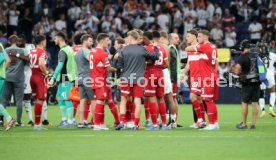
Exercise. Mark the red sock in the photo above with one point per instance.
(197, 109)
(133, 113)
(37, 111)
(86, 112)
(147, 109)
(162, 111)
(114, 111)
(212, 111)
(128, 111)
(122, 118)
(153, 113)
(136, 121)
(75, 104)
(202, 110)
(99, 114)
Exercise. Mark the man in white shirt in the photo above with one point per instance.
(74, 12)
(13, 19)
(255, 28)
(202, 16)
(163, 21)
(61, 23)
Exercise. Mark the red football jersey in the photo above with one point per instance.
(98, 62)
(158, 64)
(76, 48)
(193, 60)
(35, 55)
(208, 59)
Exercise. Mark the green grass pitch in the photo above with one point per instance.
(181, 144)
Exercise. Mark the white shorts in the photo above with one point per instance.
(270, 78)
(27, 85)
(167, 81)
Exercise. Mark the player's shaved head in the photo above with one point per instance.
(174, 39)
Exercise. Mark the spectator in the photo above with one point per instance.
(163, 21)
(190, 12)
(3, 39)
(81, 22)
(202, 15)
(222, 68)
(188, 24)
(228, 21)
(44, 26)
(3, 22)
(230, 38)
(61, 23)
(217, 35)
(177, 17)
(106, 24)
(74, 12)
(210, 10)
(47, 12)
(255, 29)
(13, 19)
(93, 22)
(218, 10)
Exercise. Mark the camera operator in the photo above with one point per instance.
(247, 70)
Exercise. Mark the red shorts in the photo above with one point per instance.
(210, 91)
(103, 93)
(195, 87)
(154, 85)
(174, 88)
(134, 90)
(39, 87)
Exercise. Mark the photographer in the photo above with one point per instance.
(247, 70)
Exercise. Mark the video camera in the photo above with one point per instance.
(260, 48)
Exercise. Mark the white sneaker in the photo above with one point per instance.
(100, 128)
(130, 125)
(194, 126)
(210, 127)
(39, 128)
(217, 125)
(104, 127)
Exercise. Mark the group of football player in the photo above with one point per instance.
(146, 67)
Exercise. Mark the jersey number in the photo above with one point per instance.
(33, 60)
(214, 57)
(160, 60)
(91, 61)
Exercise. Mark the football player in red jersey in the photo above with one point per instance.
(154, 78)
(99, 66)
(38, 58)
(194, 68)
(208, 62)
